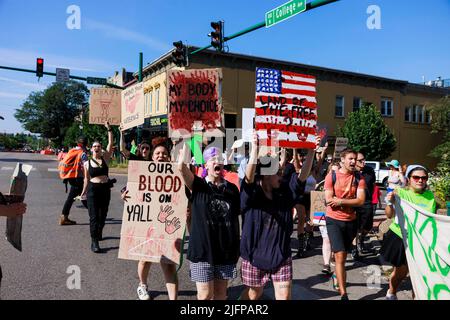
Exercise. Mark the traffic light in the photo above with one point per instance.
(179, 55)
(39, 67)
(217, 35)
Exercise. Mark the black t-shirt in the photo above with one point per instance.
(267, 224)
(214, 236)
(369, 176)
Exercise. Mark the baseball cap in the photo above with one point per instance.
(393, 163)
(415, 167)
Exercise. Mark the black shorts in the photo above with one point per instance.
(364, 217)
(341, 234)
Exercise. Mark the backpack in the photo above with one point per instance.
(71, 167)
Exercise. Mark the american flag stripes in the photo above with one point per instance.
(286, 101)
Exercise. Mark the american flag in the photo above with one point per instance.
(286, 101)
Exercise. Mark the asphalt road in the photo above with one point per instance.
(51, 252)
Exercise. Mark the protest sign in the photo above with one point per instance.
(18, 188)
(286, 102)
(133, 106)
(194, 101)
(426, 237)
(105, 105)
(341, 144)
(318, 208)
(154, 218)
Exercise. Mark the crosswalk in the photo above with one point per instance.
(34, 169)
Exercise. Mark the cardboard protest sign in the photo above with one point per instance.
(286, 102)
(18, 188)
(426, 237)
(154, 218)
(105, 105)
(133, 106)
(318, 208)
(194, 101)
(341, 144)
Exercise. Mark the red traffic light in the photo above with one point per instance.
(39, 67)
(40, 61)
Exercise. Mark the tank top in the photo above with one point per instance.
(102, 170)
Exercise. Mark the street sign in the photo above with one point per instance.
(100, 81)
(285, 11)
(62, 75)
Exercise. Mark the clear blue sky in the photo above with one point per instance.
(413, 40)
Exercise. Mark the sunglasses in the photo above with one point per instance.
(417, 178)
(145, 148)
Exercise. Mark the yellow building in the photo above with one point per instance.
(338, 93)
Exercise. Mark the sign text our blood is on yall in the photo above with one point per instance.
(154, 218)
(286, 103)
(194, 101)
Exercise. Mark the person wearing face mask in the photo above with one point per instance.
(267, 201)
(214, 232)
(97, 189)
(159, 154)
(393, 250)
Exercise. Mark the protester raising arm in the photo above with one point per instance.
(186, 173)
(307, 164)
(251, 166)
(123, 149)
(108, 153)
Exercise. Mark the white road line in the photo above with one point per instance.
(7, 168)
(52, 170)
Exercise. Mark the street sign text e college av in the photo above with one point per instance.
(285, 11)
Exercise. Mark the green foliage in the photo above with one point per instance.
(439, 183)
(367, 132)
(52, 111)
(21, 141)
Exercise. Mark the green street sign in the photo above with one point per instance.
(285, 11)
(100, 81)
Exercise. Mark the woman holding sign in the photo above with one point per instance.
(97, 188)
(160, 154)
(266, 202)
(214, 238)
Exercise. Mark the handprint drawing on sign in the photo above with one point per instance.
(173, 225)
(165, 213)
(105, 104)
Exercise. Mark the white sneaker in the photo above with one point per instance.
(390, 296)
(142, 292)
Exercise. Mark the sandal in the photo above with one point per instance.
(334, 282)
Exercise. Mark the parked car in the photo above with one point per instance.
(381, 172)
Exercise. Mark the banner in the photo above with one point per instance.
(286, 102)
(426, 237)
(194, 101)
(318, 208)
(133, 106)
(154, 218)
(105, 105)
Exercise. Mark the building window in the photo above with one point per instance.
(427, 117)
(387, 107)
(157, 99)
(150, 102)
(339, 108)
(419, 114)
(357, 104)
(408, 114)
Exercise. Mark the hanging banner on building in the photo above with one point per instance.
(426, 237)
(194, 101)
(286, 102)
(341, 145)
(133, 106)
(154, 218)
(105, 105)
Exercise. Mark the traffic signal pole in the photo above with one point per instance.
(309, 6)
(54, 74)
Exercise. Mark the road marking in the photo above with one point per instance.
(7, 168)
(52, 170)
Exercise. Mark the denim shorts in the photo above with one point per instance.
(205, 272)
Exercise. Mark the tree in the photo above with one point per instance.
(367, 133)
(52, 111)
